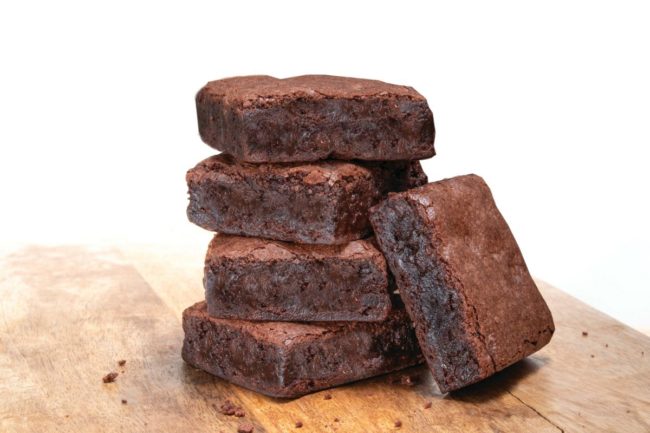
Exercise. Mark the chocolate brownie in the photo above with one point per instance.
(260, 279)
(325, 202)
(289, 359)
(463, 279)
(313, 117)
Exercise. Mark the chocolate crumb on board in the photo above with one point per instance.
(585, 333)
(398, 423)
(327, 396)
(110, 377)
(336, 420)
(409, 379)
(245, 428)
(427, 405)
(229, 408)
(124, 401)
(298, 424)
(403, 379)
(121, 362)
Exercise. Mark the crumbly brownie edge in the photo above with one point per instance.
(379, 348)
(239, 302)
(443, 321)
(411, 137)
(217, 123)
(213, 213)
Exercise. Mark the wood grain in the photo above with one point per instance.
(68, 314)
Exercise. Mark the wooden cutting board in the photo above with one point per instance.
(69, 313)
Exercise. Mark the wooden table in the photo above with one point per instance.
(69, 313)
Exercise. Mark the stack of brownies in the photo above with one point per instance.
(298, 295)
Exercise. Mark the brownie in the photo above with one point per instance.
(312, 117)
(463, 279)
(325, 202)
(260, 279)
(289, 359)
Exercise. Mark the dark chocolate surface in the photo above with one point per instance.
(260, 279)
(463, 279)
(314, 117)
(325, 202)
(288, 359)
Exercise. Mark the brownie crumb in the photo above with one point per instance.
(398, 423)
(124, 401)
(409, 380)
(585, 333)
(110, 377)
(121, 362)
(245, 428)
(327, 396)
(427, 405)
(229, 408)
(336, 420)
(404, 379)
(298, 424)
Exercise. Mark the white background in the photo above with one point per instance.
(548, 101)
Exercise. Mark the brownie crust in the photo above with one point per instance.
(313, 117)
(325, 202)
(259, 279)
(287, 359)
(463, 279)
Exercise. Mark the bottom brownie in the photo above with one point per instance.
(286, 359)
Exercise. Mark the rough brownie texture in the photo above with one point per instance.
(260, 279)
(463, 279)
(312, 117)
(288, 359)
(325, 202)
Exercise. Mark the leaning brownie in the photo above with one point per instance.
(313, 117)
(463, 279)
(261, 279)
(316, 203)
(285, 359)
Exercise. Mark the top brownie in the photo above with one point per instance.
(313, 117)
